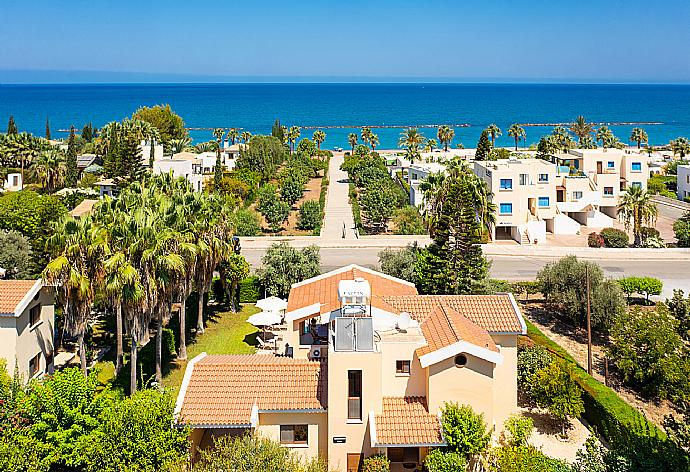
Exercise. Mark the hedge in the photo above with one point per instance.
(625, 428)
(356, 212)
(250, 289)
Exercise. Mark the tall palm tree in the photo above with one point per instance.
(636, 207)
(319, 137)
(639, 136)
(50, 169)
(352, 139)
(517, 132)
(246, 136)
(604, 135)
(562, 139)
(581, 128)
(24, 147)
(373, 141)
(445, 136)
(233, 134)
(494, 131)
(366, 134)
(293, 135)
(411, 139)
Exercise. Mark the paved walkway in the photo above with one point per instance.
(338, 221)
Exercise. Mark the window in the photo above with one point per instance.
(35, 315)
(524, 179)
(506, 208)
(636, 167)
(354, 394)
(543, 178)
(34, 365)
(402, 367)
(610, 165)
(294, 434)
(608, 191)
(460, 360)
(414, 176)
(506, 184)
(577, 195)
(637, 184)
(544, 202)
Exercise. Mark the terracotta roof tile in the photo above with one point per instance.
(323, 289)
(406, 421)
(12, 292)
(224, 388)
(494, 313)
(445, 326)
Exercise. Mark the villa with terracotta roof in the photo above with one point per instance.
(26, 327)
(368, 367)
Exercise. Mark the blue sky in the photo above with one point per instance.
(349, 40)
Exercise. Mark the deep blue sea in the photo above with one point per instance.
(254, 107)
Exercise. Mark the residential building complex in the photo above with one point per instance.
(26, 327)
(683, 181)
(368, 366)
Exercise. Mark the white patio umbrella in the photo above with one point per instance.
(265, 318)
(272, 304)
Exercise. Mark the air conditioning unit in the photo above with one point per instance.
(316, 354)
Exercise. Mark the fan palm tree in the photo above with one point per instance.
(562, 139)
(352, 139)
(636, 207)
(411, 139)
(50, 169)
(680, 146)
(445, 136)
(494, 131)
(517, 132)
(431, 144)
(639, 136)
(319, 137)
(366, 134)
(373, 141)
(293, 135)
(24, 148)
(233, 134)
(179, 145)
(246, 136)
(581, 128)
(604, 135)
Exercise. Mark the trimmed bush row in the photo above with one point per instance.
(356, 211)
(250, 289)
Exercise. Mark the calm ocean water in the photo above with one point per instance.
(255, 106)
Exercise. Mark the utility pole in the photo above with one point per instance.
(589, 326)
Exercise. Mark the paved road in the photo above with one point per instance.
(338, 221)
(675, 274)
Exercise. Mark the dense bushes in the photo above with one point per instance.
(614, 237)
(595, 240)
(407, 220)
(310, 215)
(642, 285)
(464, 430)
(247, 223)
(376, 463)
(250, 289)
(439, 460)
(681, 228)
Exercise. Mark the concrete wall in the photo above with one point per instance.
(683, 180)
(401, 385)
(505, 380)
(317, 441)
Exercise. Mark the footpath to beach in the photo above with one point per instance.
(338, 224)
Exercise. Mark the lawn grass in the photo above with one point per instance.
(226, 333)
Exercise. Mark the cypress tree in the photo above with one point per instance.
(71, 161)
(483, 147)
(130, 167)
(47, 128)
(218, 176)
(87, 133)
(12, 126)
(111, 158)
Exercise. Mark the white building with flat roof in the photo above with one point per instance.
(683, 179)
(187, 168)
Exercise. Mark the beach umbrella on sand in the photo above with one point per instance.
(272, 304)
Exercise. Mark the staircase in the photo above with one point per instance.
(524, 238)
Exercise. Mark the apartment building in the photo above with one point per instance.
(416, 174)
(373, 364)
(683, 181)
(26, 327)
(186, 168)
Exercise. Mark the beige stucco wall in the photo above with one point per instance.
(357, 435)
(401, 385)
(505, 380)
(317, 445)
(20, 342)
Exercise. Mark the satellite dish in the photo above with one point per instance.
(404, 321)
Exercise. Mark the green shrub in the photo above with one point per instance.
(530, 360)
(519, 429)
(681, 228)
(526, 287)
(439, 460)
(642, 285)
(250, 289)
(376, 463)
(407, 220)
(464, 430)
(247, 223)
(217, 291)
(614, 237)
(527, 458)
(356, 211)
(595, 240)
(554, 387)
(310, 215)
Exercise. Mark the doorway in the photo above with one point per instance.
(600, 167)
(354, 462)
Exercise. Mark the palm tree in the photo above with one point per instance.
(411, 139)
(494, 131)
(639, 136)
(24, 147)
(292, 136)
(246, 136)
(604, 135)
(637, 207)
(445, 136)
(680, 146)
(179, 145)
(352, 139)
(233, 134)
(581, 128)
(373, 141)
(50, 169)
(319, 137)
(517, 133)
(366, 134)
(431, 144)
(562, 139)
